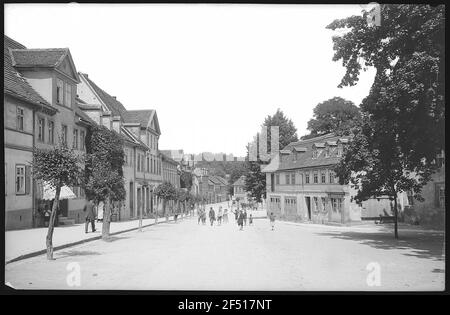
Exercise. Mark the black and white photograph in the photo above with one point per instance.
(224, 147)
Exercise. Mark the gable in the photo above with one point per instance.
(66, 67)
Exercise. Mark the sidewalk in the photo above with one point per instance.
(21, 244)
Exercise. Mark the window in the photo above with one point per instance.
(75, 139)
(327, 152)
(410, 196)
(339, 151)
(68, 95)
(293, 178)
(20, 118)
(59, 91)
(316, 203)
(41, 129)
(336, 204)
(82, 138)
(314, 154)
(307, 178)
(138, 162)
(20, 179)
(316, 178)
(64, 133)
(51, 132)
(277, 179)
(287, 176)
(323, 177)
(331, 176)
(125, 155)
(148, 164)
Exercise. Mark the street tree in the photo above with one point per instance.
(404, 114)
(58, 166)
(335, 115)
(104, 180)
(166, 192)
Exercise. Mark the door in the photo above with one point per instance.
(131, 200)
(308, 206)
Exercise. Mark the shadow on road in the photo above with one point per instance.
(73, 253)
(116, 238)
(420, 245)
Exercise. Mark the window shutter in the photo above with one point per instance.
(27, 179)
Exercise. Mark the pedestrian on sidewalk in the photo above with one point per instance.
(250, 220)
(241, 221)
(90, 217)
(200, 215)
(272, 220)
(245, 217)
(212, 216)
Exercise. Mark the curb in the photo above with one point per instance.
(95, 238)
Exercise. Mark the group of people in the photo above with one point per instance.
(240, 216)
(222, 216)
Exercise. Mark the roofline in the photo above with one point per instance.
(19, 97)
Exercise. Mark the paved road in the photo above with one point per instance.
(187, 256)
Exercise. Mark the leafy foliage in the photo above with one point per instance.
(403, 123)
(287, 130)
(104, 162)
(335, 115)
(166, 191)
(58, 166)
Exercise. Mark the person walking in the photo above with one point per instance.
(245, 217)
(200, 215)
(219, 216)
(241, 221)
(90, 217)
(272, 220)
(250, 220)
(225, 216)
(212, 216)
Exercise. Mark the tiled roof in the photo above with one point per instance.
(305, 159)
(223, 180)
(113, 104)
(38, 57)
(240, 181)
(14, 83)
(83, 115)
(138, 116)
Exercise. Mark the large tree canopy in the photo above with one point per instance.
(334, 115)
(402, 129)
(287, 130)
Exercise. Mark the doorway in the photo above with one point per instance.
(308, 206)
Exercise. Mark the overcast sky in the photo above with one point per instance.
(212, 72)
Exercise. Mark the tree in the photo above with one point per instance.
(166, 191)
(103, 172)
(404, 114)
(186, 179)
(287, 130)
(335, 115)
(58, 166)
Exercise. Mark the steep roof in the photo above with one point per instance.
(240, 181)
(14, 84)
(111, 102)
(305, 159)
(49, 57)
(167, 158)
(138, 116)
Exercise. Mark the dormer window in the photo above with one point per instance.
(314, 154)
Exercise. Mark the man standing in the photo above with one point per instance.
(240, 220)
(90, 217)
(272, 220)
(212, 216)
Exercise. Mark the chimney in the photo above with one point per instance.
(116, 124)
(115, 97)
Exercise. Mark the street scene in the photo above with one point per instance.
(298, 148)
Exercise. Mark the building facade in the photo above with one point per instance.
(39, 111)
(301, 184)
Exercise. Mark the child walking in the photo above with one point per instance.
(272, 220)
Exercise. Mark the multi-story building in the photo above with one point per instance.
(301, 184)
(140, 130)
(239, 189)
(40, 109)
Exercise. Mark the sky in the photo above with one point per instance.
(212, 72)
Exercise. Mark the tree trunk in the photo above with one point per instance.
(106, 219)
(51, 224)
(164, 209)
(156, 210)
(395, 218)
